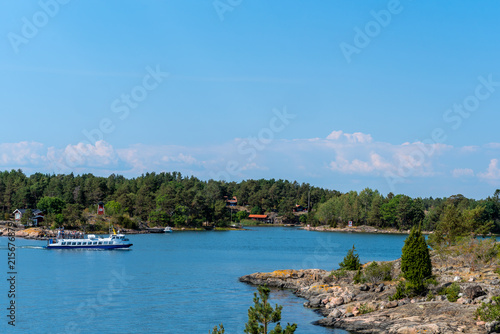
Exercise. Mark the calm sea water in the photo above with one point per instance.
(183, 282)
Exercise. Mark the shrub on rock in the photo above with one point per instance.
(351, 260)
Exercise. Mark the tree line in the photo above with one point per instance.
(177, 200)
(159, 198)
(449, 216)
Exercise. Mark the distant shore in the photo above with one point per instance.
(40, 233)
(358, 229)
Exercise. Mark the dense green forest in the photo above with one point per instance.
(176, 200)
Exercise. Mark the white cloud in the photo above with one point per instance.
(351, 167)
(356, 137)
(182, 158)
(101, 154)
(340, 155)
(143, 158)
(335, 135)
(492, 174)
(374, 164)
(21, 154)
(469, 149)
(462, 172)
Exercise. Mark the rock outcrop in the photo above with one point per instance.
(365, 308)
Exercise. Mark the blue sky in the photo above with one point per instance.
(401, 96)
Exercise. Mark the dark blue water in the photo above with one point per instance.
(183, 282)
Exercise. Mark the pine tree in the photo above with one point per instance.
(218, 330)
(351, 260)
(262, 314)
(416, 263)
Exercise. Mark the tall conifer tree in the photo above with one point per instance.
(416, 263)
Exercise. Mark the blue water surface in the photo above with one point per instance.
(181, 282)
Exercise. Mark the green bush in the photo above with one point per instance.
(241, 215)
(430, 296)
(489, 312)
(339, 273)
(375, 272)
(126, 222)
(351, 260)
(256, 210)
(451, 292)
(358, 278)
(401, 291)
(405, 289)
(431, 281)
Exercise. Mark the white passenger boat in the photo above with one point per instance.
(168, 229)
(90, 241)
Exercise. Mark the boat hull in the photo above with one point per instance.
(89, 247)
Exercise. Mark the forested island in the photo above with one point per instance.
(171, 199)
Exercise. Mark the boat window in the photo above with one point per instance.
(73, 243)
(100, 242)
(64, 243)
(79, 243)
(95, 242)
(84, 243)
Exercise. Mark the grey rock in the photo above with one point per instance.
(482, 298)
(472, 292)
(391, 304)
(492, 327)
(337, 301)
(364, 287)
(315, 302)
(336, 313)
(349, 315)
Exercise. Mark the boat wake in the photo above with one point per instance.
(23, 247)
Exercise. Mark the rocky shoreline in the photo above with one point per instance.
(365, 308)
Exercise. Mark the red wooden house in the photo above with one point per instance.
(37, 216)
(100, 208)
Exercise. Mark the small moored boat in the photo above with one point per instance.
(90, 241)
(168, 229)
